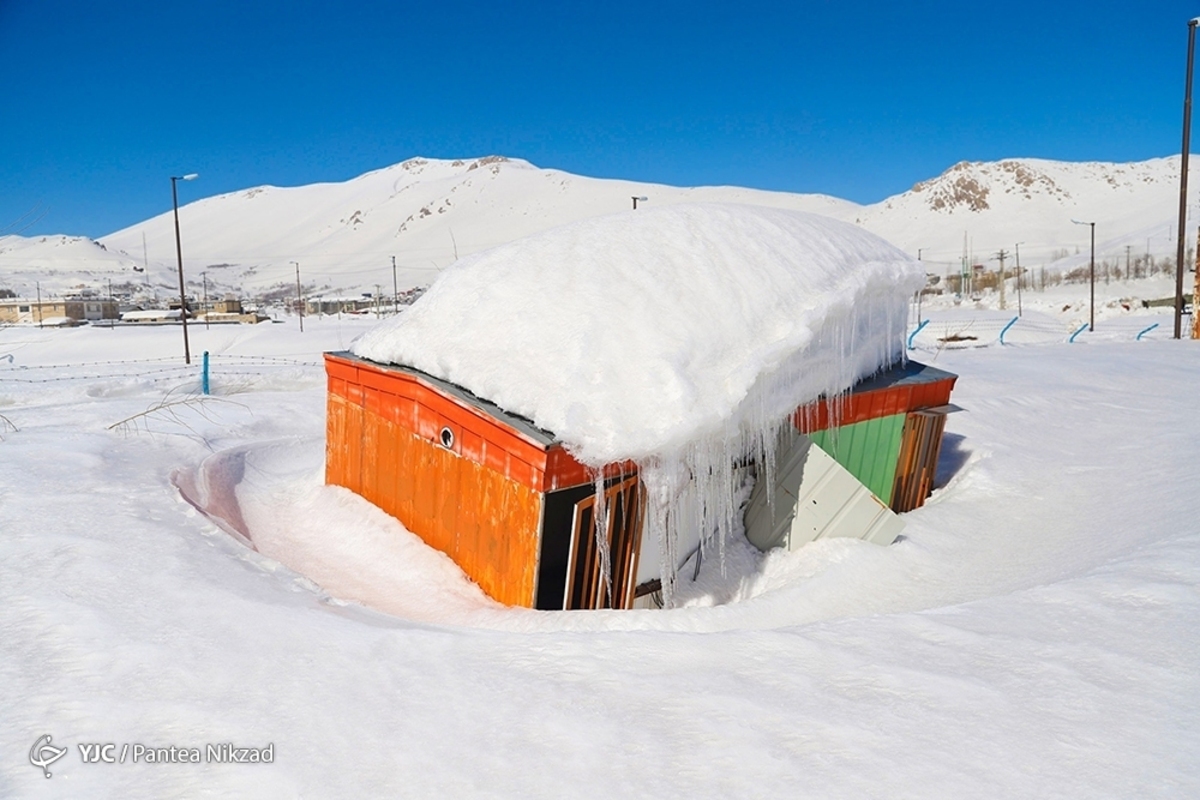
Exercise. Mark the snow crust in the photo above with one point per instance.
(636, 334)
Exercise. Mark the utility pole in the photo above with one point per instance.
(187, 350)
(1196, 291)
(1091, 275)
(1092, 281)
(38, 284)
(299, 296)
(377, 301)
(110, 302)
(1127, 249)
(395, 291)
(1183, 178)
(1003, 254)
(1017, 247)
(204, 278)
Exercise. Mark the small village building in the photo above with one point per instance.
(18, 310)
(152, 316)
(230, 311)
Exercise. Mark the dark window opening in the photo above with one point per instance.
(591, 583)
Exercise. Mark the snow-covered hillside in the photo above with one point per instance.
(61, 264)
(428, 212)
(995, 205)
(425, 212)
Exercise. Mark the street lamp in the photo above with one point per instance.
(1183, 176)
(1091, 276)
(636, 199)
(191, 176)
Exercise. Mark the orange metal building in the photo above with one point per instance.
(516, 512)
(500, 496)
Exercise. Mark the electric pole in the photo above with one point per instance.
(38, 284)
(395, 291)
(1003, 254)
(299, 297)
(1183, 178)
(377, 301)
(204, 278)
(1017, 247)
(1196, 291)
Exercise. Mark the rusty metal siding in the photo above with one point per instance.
(478, 501)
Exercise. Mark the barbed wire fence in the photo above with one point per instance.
(234, 372)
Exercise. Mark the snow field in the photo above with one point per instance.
(1032, 634)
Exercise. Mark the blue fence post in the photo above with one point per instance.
(204, 375)
(913, 335)
(1006, 327)
(1143, 333)
(1082, 328)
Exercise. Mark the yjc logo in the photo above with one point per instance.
(43, 754)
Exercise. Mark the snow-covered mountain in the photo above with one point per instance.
(997, 204)
(426, 212)
(423, 212)
(61, 264)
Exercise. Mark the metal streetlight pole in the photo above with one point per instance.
(191, 176)
(636, 199)
(1183, 177)
(1091, 276)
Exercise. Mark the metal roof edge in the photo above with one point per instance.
(521, 425)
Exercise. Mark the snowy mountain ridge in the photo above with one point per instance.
(425, 213)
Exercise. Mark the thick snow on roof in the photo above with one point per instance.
(636, 334)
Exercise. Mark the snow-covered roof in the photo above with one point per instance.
(634, 334)
(151, 313)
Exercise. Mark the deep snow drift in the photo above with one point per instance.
(1033, 635)
(636, 334)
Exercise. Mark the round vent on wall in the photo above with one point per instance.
(447, 437)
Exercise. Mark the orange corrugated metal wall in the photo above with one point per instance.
(486, 520)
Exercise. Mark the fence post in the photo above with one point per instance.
(204, 375)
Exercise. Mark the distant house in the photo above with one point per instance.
(18, 310)
(151, 315)
(348, 304)
(230, 310)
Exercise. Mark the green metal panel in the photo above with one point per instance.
(868, 450)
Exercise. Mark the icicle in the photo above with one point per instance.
(699, 488)
(600, 518)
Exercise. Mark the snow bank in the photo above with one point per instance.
(636, 334)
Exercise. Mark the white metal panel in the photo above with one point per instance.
(815, 497)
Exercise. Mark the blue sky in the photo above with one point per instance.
(103, 101)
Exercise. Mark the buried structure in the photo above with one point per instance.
(572, 416)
